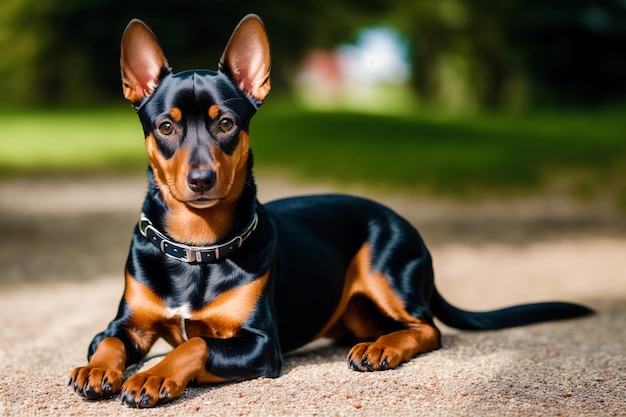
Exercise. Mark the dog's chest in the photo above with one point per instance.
(183, 311)
(184, 323)
(221, 317)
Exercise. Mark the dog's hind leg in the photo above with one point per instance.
(390, 350)
(371, 311)
(388, 341)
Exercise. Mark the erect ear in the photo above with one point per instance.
(142, 61)
(246, 59)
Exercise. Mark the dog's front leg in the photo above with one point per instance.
(102, 377)
(167, 380)
(204, 360)
(110, 352)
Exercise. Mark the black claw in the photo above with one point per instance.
(164, 394)
(85, 388)
(128, 399)
(92, 395)
(107, 389)
(352, 364)
(89, 393)
(366, 365)
(363, 366)
(75, 386)
(86, 391)
(144, 400)
(384, 365)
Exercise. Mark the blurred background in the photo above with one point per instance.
(497, 127)
(497, 54)
(445, 96)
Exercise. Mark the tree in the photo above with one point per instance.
(475, 53)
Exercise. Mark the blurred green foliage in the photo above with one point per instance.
(430, 151)
(497, 54)
(424, 151)
(487, 55)
(71, 141)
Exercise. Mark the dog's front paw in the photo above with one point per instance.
(366, 357)
(147, 389)
(95, 383)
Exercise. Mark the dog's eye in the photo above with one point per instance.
(166, 128)
(226, 124)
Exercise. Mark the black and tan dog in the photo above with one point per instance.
(232, 284)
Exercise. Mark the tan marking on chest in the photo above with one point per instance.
(221, 318)
(225, 315)
(146, 306)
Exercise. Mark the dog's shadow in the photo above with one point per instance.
(319, 352)
(322, 351)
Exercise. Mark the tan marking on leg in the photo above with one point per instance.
(222, 318)
(102, 377)
(389, 350)
(362, 318)
(168, 379)
(362, 281)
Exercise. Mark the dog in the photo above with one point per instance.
(230, 283)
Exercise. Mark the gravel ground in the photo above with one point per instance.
(64, 242)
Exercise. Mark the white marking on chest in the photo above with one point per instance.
(183, 311)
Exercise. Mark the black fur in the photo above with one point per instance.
(304, 245)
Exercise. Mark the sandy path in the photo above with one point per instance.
(64, 243)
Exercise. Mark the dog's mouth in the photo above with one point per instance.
(203, 202)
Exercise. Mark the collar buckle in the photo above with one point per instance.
(193, 256)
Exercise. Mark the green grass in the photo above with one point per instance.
(428, 151)
(70, 141)
(424, 151)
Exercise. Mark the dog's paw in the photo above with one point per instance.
(146, 389)
(95, 383)
(367, 357)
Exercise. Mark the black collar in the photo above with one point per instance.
(193, 254)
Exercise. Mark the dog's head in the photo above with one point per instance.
(196, 122)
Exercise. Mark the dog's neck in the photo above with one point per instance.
(199, 227)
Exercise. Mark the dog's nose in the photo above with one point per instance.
(201, 180)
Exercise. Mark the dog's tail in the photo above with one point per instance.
(507, 317)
